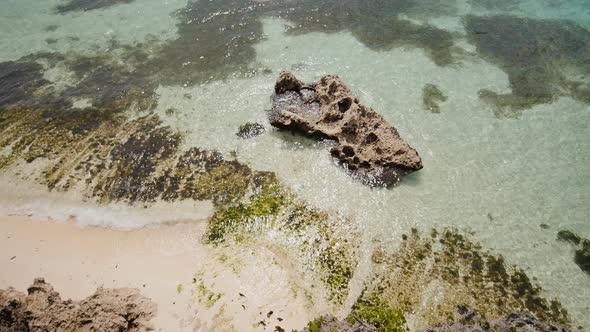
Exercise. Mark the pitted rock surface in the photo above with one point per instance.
(42, 309)
(367, 144)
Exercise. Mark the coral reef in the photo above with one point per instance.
(367, 144)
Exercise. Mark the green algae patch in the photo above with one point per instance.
(431, 96)
(204, 294)
(377, 313)
(459, 272)
(268, 206)
(544, 59)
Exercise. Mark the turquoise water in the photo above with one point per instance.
(508, 151)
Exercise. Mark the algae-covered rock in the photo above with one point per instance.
(459, 272)
(367, 144)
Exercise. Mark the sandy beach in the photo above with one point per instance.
(77, 260)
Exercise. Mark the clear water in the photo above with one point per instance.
(498, 177)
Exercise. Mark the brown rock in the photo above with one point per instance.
(121, 309)
(367, 144)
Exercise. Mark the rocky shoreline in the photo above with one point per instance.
(42, 309)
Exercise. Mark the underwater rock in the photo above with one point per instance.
(367, 144)
(431, 96)
(471, 321)
(42, 309)
(582, 248)
(582, 256)
(568, 236)
(250, 129)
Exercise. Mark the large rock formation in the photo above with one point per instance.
(367, 144)
(122, 309)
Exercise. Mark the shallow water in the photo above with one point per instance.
(496, 169)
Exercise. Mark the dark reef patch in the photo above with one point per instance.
(216, 40)
(85, 5)
(19, 81)
(581, 248)
(544, 59)
(461, 273)
(431, 96)
(375, 23)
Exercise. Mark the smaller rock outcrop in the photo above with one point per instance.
(250, 129)
(367, 144)
(42, 309)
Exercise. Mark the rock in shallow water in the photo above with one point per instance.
(367, 144)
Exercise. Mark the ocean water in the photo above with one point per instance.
(496, 166)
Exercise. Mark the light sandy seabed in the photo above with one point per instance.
(76, 260)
